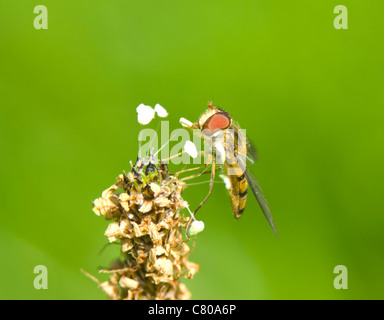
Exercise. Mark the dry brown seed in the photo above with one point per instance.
(124, 226)
(154, 234)
(185, 249)
(156, 189)
(102, 206)
(162, 225)
(124, 201)
(139, 199)
(155, 252)
(128, 283)
(157, 279)
(108, 192)
(111, 290)
(124, 196)
(120, 181)
(192, 268)
(126, 244)
(112, 232)
(135, 232)
(146, 207)
(183, 292)
(162, 201)
(164, 266)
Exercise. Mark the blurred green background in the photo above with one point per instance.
(310, 96)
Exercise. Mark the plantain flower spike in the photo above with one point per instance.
(143, 208)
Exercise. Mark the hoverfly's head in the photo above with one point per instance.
(210, 122)
(213, 120)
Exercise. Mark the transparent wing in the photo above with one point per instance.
(256, 189)
(245, 146)
(254, 184)
(246, 151)
(251, 151)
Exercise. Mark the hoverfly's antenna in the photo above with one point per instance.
(210, 105)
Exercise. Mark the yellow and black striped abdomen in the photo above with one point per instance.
(238, 189)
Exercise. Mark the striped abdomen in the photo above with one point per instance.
(238, 188)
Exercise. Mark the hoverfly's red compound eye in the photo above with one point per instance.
(218, 121)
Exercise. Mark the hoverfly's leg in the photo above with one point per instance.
(210, 185)
(213, 171)
(172, 157)
(200, 173)
(194, 175)
(177, 155)
(192, 169)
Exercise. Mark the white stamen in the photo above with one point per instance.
(165, 143)
(145, 114)
(190, 148)
(196, 227)
(161, 112)
(186, 205)
(185, 123)
(226, 181)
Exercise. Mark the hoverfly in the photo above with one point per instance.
(230, 146)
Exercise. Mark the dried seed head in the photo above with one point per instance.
(145, 208)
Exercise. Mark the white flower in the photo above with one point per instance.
(226, 181)
(145, 114)
(161, 112)
(190, 148)
(196, 227)
(185, 123)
